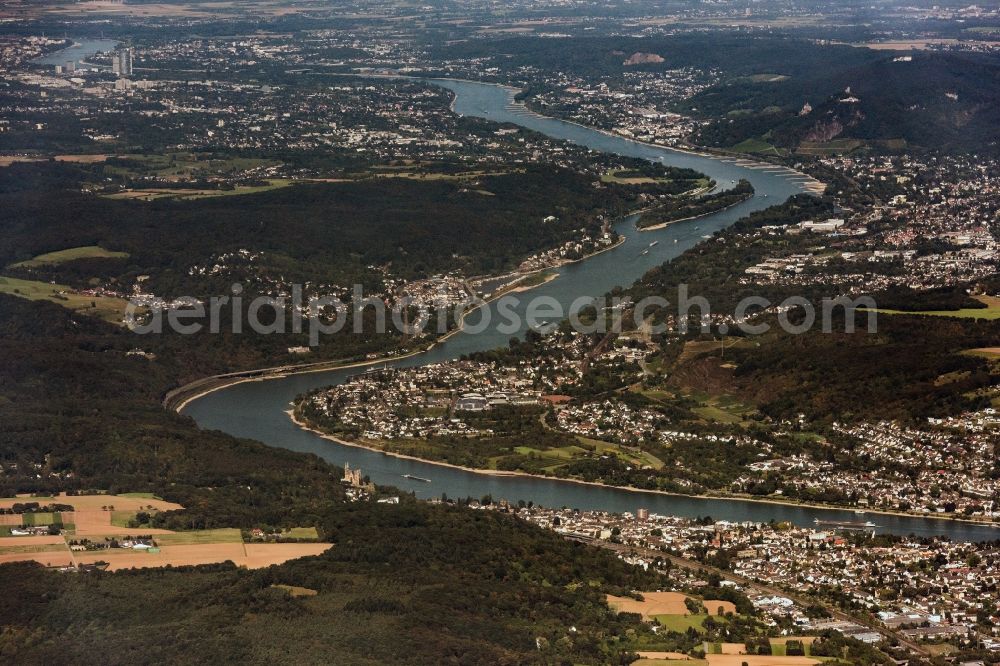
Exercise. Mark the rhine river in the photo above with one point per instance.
(256, 409)
(78, 52)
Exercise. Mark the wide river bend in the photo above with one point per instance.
(257, 409)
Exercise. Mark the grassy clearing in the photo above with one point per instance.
(536, 279)
(778, 644)
(416, 170)
(681, 623)
(122, 518)
(756, 146)
(629, 177)
(617, 176)
(550, 460)
(182, 166)
(32, 548)
(638, 458)
(721, 408)
(69, 254)
(302, 533)
(221, 535)
(185, 194)
(659, 395)
(940, 649)
(990, 312)
(109, 309)
(829, 147)
(41, 518)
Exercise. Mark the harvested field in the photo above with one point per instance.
(757, 660)
(654, 603)
(78, 502)
(265, 554)
(200, 537)
(985, 351)
(95, 522)
(713, 605)
(253, 556)
(296, 591)
(47, 550)
(6, 542)
(49, 558)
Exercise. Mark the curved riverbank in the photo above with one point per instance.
(664, 225)
(730, 497)
(702, 152)
(177, 399)
(256, 410)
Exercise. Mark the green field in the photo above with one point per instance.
(536, 279)
(109, 309)
(551, 460)
(721, 408)
(755, 146)
(122, 518)
(69, 254)
(681, 623)
(43, 518)
(185, 166)
(629, 177)
(221, 535)
(990, 312)
(829, 147)
(186, 194)
(983, 30)
(778, 644)
(32, 548)
(640, 459)
(301, 533)
(561, 453)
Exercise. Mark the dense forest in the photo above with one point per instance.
(336, 234)
(318, 232)
(409, 583)
(405, 584)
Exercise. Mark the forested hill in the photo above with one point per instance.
(735, 54)
(407, 583)
(308, 231)
(946, 101)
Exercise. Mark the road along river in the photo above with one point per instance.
(257, 409)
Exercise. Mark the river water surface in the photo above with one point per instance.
(78, 52)
(257, 409)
